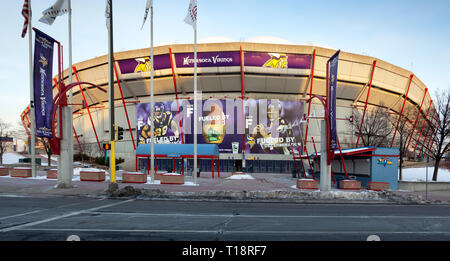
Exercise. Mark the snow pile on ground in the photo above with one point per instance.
(240, 176)
(419, 174)
(11, 158)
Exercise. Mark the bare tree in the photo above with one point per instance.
(48, 151)
(375, 128)
(5, 131)
(440, 136)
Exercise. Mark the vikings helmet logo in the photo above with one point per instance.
(43, 60)
(277, 60)
(144, 65)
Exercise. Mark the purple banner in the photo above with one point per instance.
(271, 126)
(334, 60)
(277, 60)
(166, 123)
(208, 59)
(143, 64)
(42, 83)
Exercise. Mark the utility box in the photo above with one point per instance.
(376, 168)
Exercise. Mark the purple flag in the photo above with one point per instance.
(334, 60)
(42, 83)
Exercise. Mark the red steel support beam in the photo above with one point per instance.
(342, 158)
(367, 100)
(310, 94)
(123, 103)
(426, 134)
(242, 99)
(87, 107)
(176, 95)
(76, 136)
(417, 118)
(423, 125)
(430, 142)
(403, 107)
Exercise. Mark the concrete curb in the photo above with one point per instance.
(305, 197)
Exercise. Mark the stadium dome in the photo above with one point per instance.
(274, 79)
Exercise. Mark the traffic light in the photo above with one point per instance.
(107, 146)
(119, 133)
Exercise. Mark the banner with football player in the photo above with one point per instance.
(271, 126)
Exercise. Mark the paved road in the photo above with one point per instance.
(92, 219)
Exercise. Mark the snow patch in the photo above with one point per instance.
(241, 176)
(419, 174)
(11, 158)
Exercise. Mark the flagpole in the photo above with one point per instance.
(111, 92)
(69, 124)
(33, 129)
(152, 101)
(195, 101)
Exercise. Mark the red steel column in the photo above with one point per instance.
(242, 99)
(367, 100)
(176, 95)
(87, 107)
(123, 102)
(310, 94)
(426, 133)
(433, 137)
(404, 102)
(423, 125)
(342, 158)
(417, 118)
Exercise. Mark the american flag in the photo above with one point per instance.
(26, 13)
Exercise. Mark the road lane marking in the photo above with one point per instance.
(228, 231)
(63, 216)
(22, 214)
(41, 210)
(259, 216)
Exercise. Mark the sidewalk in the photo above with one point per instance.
(274, 187)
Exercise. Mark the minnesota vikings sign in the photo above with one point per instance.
(42, 83)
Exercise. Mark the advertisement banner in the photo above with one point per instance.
(334, 60)
(42, 83)
(271, 126)
(208, 59)
(277, 60)
(143, 64)
(166, 123)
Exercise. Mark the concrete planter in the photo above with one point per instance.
(134, 177)
(307, 184)
(172, 178)
(21, 172)
(159, 173)
(52, 174)
(350, 184)
(92, 176)
(377, 186)
(4, 171)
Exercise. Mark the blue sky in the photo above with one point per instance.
(414, 35)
